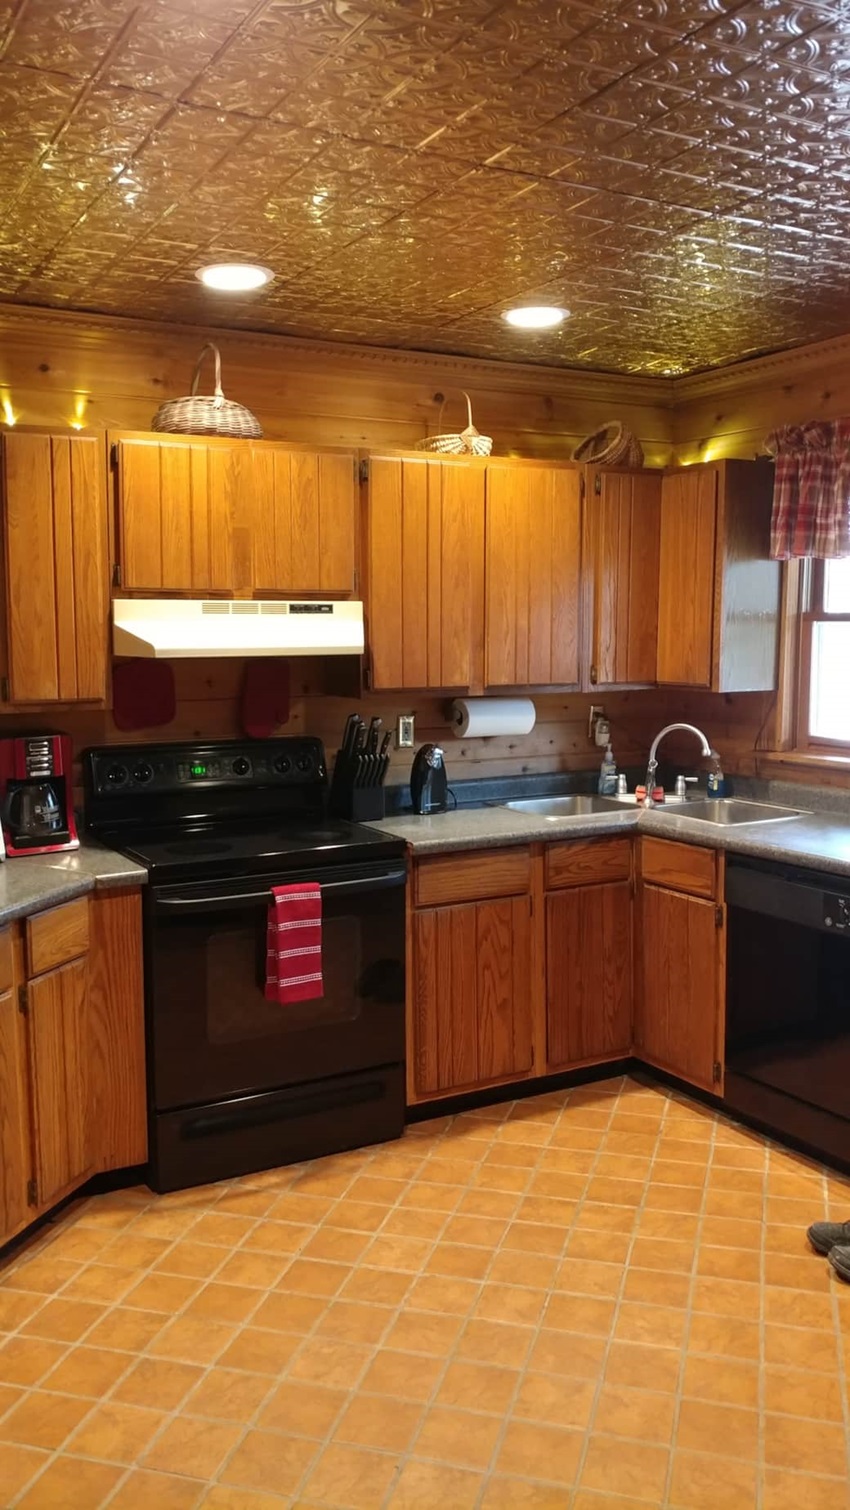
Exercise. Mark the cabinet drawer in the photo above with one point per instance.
(684, 867)
(585, 861)
(57, 936)
(470, 876)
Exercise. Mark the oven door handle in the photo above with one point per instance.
(356, 887)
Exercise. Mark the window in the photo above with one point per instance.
(824, 701)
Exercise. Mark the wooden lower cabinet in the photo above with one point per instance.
(72, 1054)
(472, 995)
(680, 1006)
(56, 1018)
(588, 974)
(15, 1144)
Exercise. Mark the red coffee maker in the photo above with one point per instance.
(37, 794)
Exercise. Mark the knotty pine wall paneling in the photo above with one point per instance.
(59, 368)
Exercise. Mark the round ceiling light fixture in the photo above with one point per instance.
(234, 277)
(535, 316)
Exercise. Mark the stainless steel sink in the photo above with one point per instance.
(576, 806)
(728, 810)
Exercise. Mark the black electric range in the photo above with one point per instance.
(237, 1082)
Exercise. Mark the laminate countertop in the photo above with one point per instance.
(32, 883)
(818, 840)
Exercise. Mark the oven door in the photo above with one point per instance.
(213, 1035)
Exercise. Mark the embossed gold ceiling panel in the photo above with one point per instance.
(676, 172)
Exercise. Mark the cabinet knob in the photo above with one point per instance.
(593, 676)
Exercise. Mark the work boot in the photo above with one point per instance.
(824, 1236)
(839, 1257)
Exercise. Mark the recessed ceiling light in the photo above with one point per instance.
(535, 316)
(234, 277)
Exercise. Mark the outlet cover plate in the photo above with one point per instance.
(405, 731)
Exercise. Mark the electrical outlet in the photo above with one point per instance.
(404, 734)
(602, 732)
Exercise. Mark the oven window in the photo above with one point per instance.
(236, 955)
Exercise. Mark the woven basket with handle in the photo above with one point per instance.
(467, 442)
(205, 414)
(612, 446)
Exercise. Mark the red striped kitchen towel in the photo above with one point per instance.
(294, 943)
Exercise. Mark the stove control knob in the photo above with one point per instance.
(116, 775)
(241, 766)
(143, 772)
(283, 765)
(304, 763)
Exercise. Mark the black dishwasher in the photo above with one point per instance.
(788, 1003)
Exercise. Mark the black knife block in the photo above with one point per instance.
(360, 804)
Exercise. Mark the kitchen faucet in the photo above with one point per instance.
(652, 764)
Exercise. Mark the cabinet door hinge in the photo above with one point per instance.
(363, 472)
(717, 1072)
(718, 917)
(356, 580)
(367, 676)
(113, 455)
(23, 1001)
(32, 1192)
(581, 486)
(116, 574)
(597, 483)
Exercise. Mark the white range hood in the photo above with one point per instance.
(175, 628)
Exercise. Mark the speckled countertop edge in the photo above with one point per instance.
(32, 883)
(818, 841)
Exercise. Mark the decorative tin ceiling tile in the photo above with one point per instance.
(673, 171)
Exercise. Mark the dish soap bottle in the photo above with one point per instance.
(608, 774)
(716, 780)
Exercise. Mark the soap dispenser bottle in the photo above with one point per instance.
(608, 774)
(716, 780)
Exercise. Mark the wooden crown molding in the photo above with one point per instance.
(413, 366)
(794, 363)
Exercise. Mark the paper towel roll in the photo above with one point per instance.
(481, 717)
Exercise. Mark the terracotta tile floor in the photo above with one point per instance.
(596, 1299)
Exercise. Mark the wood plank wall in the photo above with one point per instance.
(59, 369)
(729, 412)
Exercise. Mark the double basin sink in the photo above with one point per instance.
(722, 811)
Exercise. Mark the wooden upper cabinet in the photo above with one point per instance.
(718, 595)
(679, 1021)
(424, 534)
(622, 514)
(198, 515)
(533, 549)
(57, 567)
(472, 1012)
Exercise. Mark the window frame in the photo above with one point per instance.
(812, 613)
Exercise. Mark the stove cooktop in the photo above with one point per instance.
(175, 854)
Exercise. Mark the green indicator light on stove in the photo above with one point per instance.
(199, 770)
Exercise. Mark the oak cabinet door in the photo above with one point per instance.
(472, 1012)
(57, 568)
(424, 572)
(210, 516)
(588, 974)
(59, 1066)
(533, 546)
(680, 1009)
(15, 1150)
(686, 583)
(621, 536)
